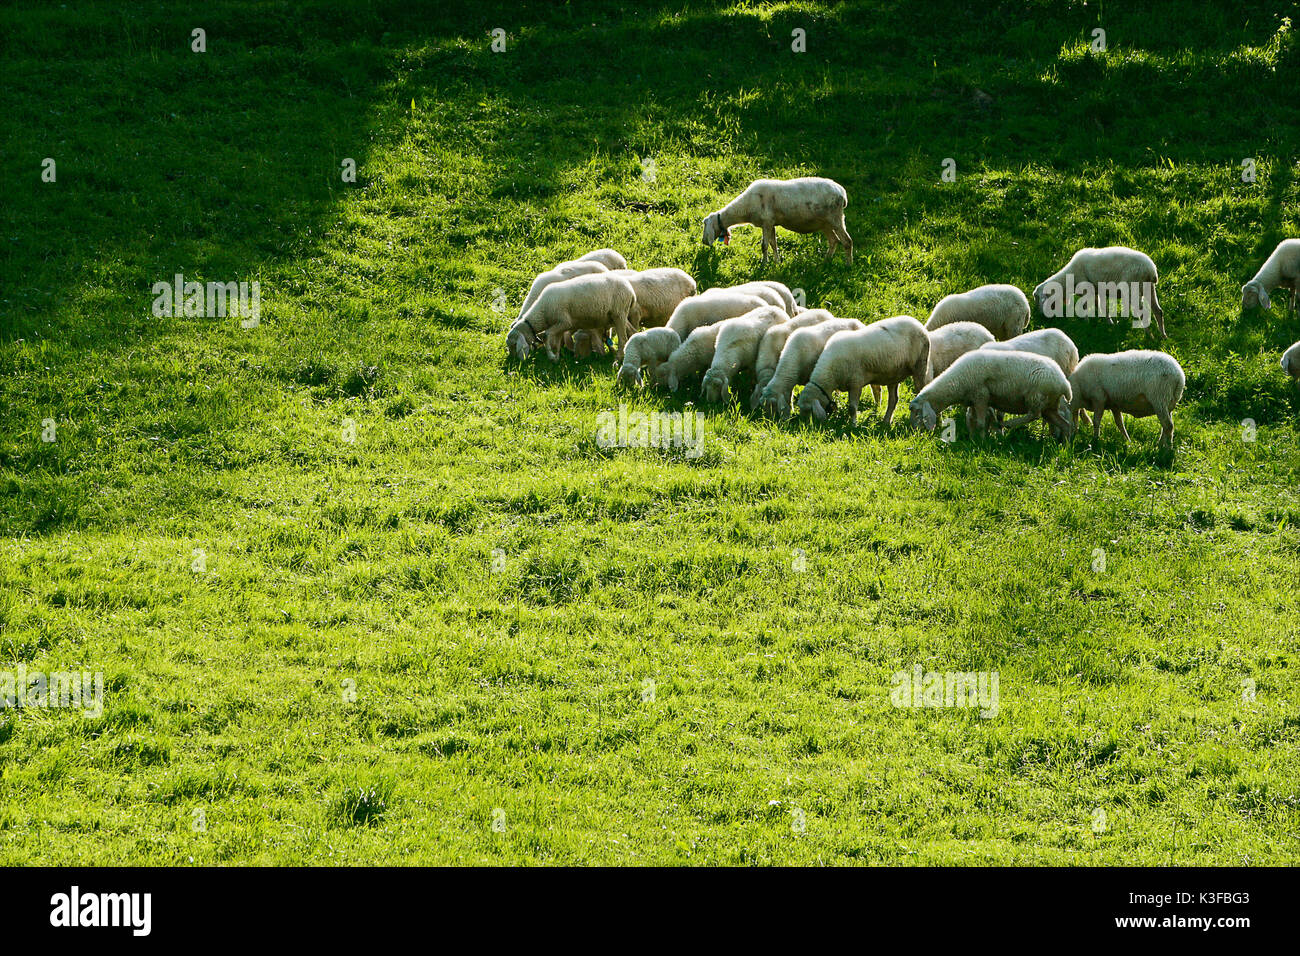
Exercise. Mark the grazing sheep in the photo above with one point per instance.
(1050, 343)
(735, 349)
(647, 349)
(1282, 269)
(1291, 361)
(707, 309)
(609, 258)
(950, 342)
(798, 359)
(884, 353)
(658, 292)
(808, 204)
(1002, 309)
(694, 355)
(565, 270)
(1100, 276)
(1032, 386)
(769, 350)
(1139, 382)
(586, 302)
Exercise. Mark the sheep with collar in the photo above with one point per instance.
(798, 358)
(803, 205)
(773, 344)
(884, 353)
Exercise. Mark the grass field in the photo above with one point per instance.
(435, 622)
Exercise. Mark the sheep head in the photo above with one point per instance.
(715, 387)
(714, 230)
(518, 341)
(629, 377)
(1253, 294)
(922, 415)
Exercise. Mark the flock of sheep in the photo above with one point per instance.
(973, 351)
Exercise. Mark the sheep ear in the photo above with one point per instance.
(929, 416)
(1264, 300)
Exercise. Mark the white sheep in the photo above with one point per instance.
(807, 204)
(1002, 309)
(884, 353)
(950, 342)
(735, 349)
(695, 354)
(594, 302)
(1110, 273)
(1291, 361)
(1139, 382)
(700, 310)
(1282, 269)
(565, 270)
(770, 349)
(798, 359)
(1029, 385)
(1050, 343)
(609, 258)
(647, 349)
(658, 293)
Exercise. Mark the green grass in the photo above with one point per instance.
(431, 644)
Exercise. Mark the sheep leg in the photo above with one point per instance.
(555, 338)
(1166, 426)
(831, 242)
(980, 414)
(1102, 304)
(1098, 411)
(892, 404)
(1159, 313)
(855, 392)
(847, 242)
(1119, 422)
(620, 324)
(875, 394)
(771, 234)
(1054, 417)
